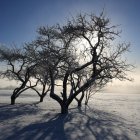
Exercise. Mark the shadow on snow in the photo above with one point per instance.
(80, 124)
(14, 111)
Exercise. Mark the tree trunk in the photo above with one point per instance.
(17, 92)
(13, 98)
(86, 102)
(41, 98)
(64, 109)
(79, 103)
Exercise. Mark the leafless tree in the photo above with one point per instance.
(97, 60)
(95, 88)
(18, 68)
(74, 58)
(43, 82)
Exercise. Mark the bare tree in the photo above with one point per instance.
(43, 82)
(65, 57)
(75, 58)
(17, 69)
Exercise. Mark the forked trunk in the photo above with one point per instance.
(41, 98)
(64, 109)
(79, 103)
(17, 92)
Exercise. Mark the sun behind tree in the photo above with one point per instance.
(57, 53)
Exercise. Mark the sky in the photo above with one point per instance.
(19, 20)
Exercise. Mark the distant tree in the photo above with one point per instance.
(18, 68)
(97, 59)
(89, 92)
(43, 83)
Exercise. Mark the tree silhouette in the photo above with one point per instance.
(18, 68)
(97, 63)
(77, 57)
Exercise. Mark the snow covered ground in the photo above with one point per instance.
(109, 116)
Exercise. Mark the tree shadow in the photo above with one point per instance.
(100, 125)
(79, 124)
(52, 130)
(8, 111)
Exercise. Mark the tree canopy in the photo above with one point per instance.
(80, 56)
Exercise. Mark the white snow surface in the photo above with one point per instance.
(109, 116)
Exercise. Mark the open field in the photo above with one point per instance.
(109, 116)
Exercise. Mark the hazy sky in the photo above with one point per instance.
(19, 19)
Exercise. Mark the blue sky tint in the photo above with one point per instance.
(19, 19)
